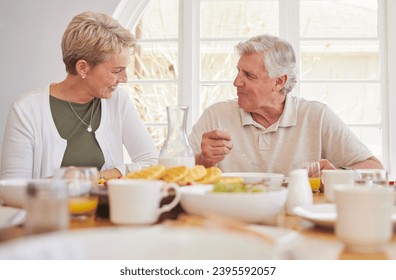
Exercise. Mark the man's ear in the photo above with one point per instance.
(281, 81)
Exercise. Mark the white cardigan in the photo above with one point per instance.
(33, 148)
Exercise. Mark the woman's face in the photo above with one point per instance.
(104, 78)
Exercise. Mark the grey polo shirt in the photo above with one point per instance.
(306, 130)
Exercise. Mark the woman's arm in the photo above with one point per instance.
(18, 144)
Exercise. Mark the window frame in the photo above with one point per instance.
(129, 12)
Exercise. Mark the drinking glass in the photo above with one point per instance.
(313, 169)
(371, 177)
(80, 181)
(46, 206)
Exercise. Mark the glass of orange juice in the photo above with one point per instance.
(313, 168)
(80, 181)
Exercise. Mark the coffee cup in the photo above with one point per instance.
(331, 178)
(136, 201)
(364, 221)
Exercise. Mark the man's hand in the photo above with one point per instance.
(215, 145)
(325, 164)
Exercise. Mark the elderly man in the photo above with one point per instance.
(268, 130)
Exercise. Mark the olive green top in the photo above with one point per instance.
(82, 147)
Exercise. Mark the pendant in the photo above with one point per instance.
(89, 128)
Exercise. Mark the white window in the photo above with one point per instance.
(186, 56)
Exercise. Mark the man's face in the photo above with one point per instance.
(254, 86)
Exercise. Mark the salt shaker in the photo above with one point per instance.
(299, 190)
(47, 206)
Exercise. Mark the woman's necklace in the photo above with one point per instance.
(89, 126)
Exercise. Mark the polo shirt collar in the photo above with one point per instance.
(288, 117)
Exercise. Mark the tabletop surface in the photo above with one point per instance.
(317, 242)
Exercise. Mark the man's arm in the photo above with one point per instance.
(370, 163)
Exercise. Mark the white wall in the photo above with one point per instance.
(30, 37)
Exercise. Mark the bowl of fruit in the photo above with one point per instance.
(252, 203)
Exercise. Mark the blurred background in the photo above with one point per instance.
(346, 54)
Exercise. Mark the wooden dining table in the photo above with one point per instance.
(317, 242)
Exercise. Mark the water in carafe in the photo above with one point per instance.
(177, 150)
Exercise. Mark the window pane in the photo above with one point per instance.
(372, 137)
(158, 134)
(341, 18)
(225, 19)
(160, 20)
(335, 60)
(218, 61)
(151, 100)
(354, 103)
(215, 93)
(157, 61)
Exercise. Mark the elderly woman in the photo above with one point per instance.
(84, 120)
(268, 130)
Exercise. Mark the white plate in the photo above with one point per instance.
(152, 242)
(323, 214)
(275, 179)
(10, 217)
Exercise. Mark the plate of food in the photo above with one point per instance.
(251, 203)
(182, 175)
(272, 179)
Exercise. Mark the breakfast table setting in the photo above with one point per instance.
(241, 216)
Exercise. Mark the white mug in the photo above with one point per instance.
(134, 201)
(364, 221)
(330, 178)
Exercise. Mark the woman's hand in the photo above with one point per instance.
(109, 174)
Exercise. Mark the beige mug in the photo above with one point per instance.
(331, 178)
(137, 201)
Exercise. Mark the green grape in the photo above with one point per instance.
(237, 187)
(219, 187)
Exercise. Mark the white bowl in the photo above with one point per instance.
(261, 207)
(274, 179)
(13, 192)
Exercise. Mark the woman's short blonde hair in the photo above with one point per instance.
(93, 37)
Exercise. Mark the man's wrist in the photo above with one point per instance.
(344, 168)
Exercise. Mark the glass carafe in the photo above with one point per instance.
(177, 150)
